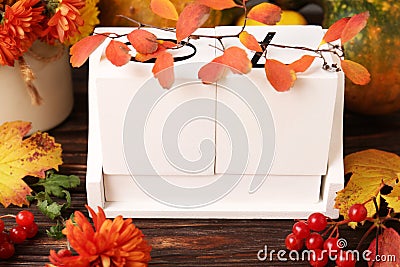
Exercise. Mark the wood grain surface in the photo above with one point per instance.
(193, 242)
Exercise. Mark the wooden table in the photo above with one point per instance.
(192, 242)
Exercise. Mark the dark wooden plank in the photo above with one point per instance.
(193, 242)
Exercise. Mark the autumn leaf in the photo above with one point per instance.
(393, 198)
(302, 64)
(356, 72)
(118, 53)
(191, 18)
(164, 8)
(370, 169)
(143, 41)
(19, 158)
(354, 26)
(388, 246)
(236, 59)
(212, 72)
(81, 51)
(265, 13)
(163, 70)
(162, 46)
(279, 75)
(335, 30)
(218, 4)
(249, 41)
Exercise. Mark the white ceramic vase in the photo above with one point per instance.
(50, 65)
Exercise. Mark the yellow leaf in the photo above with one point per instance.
(19, 158)
(393, 199)
(371, 169)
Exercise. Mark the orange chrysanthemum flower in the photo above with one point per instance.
(9, 50)
(66, 20)
(111, 243)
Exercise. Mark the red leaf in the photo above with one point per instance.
(191, 18)
(162, 46)
(218, 4)
(163, 70)
(212, 72)
(302, 64)
(388, 246)
(357, 73)
(81, 51)
(265, 13)
(236, 58)
(118, 53)
(164, 8)
(249, 41)
(143, 41)
(354, 26)
(335, 30)
(279, 75)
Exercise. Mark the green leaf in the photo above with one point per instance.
(55, 231)
(52, 210)
(55, 184)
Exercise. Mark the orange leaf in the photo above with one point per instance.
(162, 46)
(212, 72)
(163, 70)
(265, 13)
(249, 41)
(302, 64)
(236, 58)
(279, 75)
(191, 18)
(22, 157)
(81, 51)
(218, 4)
(118, 53)
(356, 72)
(164, 8)
(335, 30)
(354, 26)
(143, 41)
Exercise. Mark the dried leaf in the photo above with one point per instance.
(164, 8)
(212, 72)
(218, 4)
(162, 46)
(191, 18)
(393, 198)
(236, 59)
(265, 13)
(302, 64)
(356, 72)
(388, 250)
(335, 30)
(279, 75)
(143, 41)
(81, 51)
(163, 70)
(249, 41)
(354, 26)
(370, 168)
(118, 53)
(19, 158)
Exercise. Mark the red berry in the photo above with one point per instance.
(31, 230)
(358, 213)
(314, 241)
(317, 221)
(17, 234)
(6, 250)
(4, 237)
(318, 258)
(346, 259)
(293, 243)
(301, 230)
(1, 225)
(24, 218)
(331, 246)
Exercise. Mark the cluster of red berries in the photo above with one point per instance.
(307, 234)
(25, 228)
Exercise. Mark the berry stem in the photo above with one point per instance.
(7, 216)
